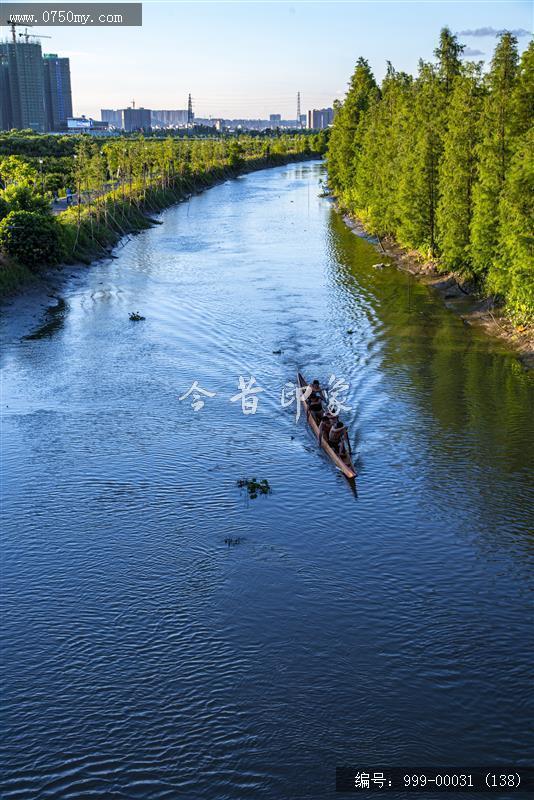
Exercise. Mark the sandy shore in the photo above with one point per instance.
(455, 294)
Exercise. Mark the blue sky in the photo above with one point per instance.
(248, 59)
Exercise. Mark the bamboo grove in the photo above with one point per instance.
(112, 186)
(443, 162)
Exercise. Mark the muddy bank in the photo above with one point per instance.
(457, 295)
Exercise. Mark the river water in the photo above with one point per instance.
(144, 655)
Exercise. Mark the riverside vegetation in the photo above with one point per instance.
(113, 186)
(444, 163)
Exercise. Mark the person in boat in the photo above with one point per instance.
(338, 439)
(315, 404)
(327, 421)
(316, 388)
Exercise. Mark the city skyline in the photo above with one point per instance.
(249, 60)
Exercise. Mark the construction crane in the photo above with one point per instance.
(27, 36)
(14, 25)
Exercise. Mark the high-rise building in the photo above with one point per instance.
(113, 117)
(172, 118)
(5, 95)
(22, 86)
(275, 118)
(190, 114)
(136, 119)
(57, 91)
(320, 118)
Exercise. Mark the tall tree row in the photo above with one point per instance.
(444, 163)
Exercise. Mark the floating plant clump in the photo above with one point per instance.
(135, 316)
(254, 487)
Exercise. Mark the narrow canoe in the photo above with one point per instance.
(346, 467)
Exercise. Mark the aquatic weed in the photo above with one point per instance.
(254, 487)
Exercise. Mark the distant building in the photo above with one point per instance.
(245, 124)
(113, 118)
(99, 125)
(302, 120)
(57, 91)
(320, 118)
(173, 118)
(275, 119)
(5, 95)
(128, 119)
(136, 119)
(22, 86)
(78, 123)
(85, 124)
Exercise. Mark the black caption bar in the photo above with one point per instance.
(497, 780)
(72, 14)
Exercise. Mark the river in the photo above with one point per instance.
(166, 636)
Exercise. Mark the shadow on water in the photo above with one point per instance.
(463, 391)
(55, 318)
(466, 375)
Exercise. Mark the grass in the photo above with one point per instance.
(14, 277)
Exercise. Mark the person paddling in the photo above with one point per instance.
(315, 388)
(338, 438)
(328, 420)
(315, 404)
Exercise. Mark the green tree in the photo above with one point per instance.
(419, 163)
(448, 55)
(345, 138)
(31, 238)
(16, 170)
(512, 271)
(235, 155)
(377, 179)
(23, 198)
(495, 151)
(458, 169)
(523, 96)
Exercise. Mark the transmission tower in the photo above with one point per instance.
(298, 110)
(189, 111)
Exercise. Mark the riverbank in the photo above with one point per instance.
(457, 294)
(93, 236)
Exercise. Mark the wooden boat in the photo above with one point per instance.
(346, 466)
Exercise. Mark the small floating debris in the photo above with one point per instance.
(380, 265)
(232, 542)
(255, 487)
(350, 331)
(277, 352)
(135, 316)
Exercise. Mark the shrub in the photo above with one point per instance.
(31, 238)
(24, 198)
(4, 208)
